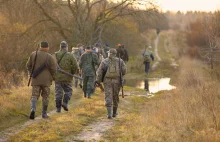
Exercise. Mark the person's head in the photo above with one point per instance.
(119, 45)
(80, 45)
(64, 45)
(44, 45)
(112, 53)
(88, 49)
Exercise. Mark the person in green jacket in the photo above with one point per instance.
(63, 82)
(41, 83)
(87, 64)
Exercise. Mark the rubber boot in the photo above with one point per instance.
(44, 112)
(65, 102)
(109, 110)
(89, 94)
(33, 109)
(84, 92)
(114, 112)
(58, 105)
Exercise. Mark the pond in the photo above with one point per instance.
(151, 85)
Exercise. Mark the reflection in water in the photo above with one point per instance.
(152, 85)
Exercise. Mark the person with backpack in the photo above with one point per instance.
(63, 82)
(41, 67)
(125, 57)
(120, 52)
(109, 73)
(147, 57)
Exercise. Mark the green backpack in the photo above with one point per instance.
(113, 70)
(147, 56)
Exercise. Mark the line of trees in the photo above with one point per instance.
(24, 24)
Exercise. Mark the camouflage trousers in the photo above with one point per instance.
(61, 87)
(44, 91)
(111, 92)
(88, 83)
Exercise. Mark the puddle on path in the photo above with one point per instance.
(151, 85)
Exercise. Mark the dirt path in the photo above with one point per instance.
(6, 134)
(156, 53)
(94, 131)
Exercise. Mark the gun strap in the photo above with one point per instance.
(60, 58)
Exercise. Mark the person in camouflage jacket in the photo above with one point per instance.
(63, 82)
(109, 72)
(87, 64)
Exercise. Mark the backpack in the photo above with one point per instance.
(147, 56)
(113, 70)
(121, 51)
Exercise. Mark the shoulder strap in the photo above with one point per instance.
(60, 58)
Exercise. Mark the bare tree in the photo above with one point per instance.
(85, 20)
(212, 32)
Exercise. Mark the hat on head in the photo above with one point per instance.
(112, 51)
(119, 45)
(74, 48)
(63, 44)
(97, 45)
(88, 47)
(79, 45)
(44, 44)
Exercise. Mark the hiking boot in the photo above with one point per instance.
(58, 109)
(45, 116)
(58, 105)
(109, 110)
(65, 107)
(89, 94)
(32, 115)
(114, 112)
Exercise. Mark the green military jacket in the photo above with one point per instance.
(67, 63)
(87, 63)
(45, 78)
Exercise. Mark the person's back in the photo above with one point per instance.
(87, 64)
(120, 52)
(125, 57)
(63, 82)
(66, 62)
(44, 67)
(109, 72)
(76, 53)
(147, 57)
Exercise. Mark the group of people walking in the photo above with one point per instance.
(88, 64)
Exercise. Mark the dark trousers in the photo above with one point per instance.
(147, 67)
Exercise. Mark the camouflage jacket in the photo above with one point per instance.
(76, 54)
(45, 78)
(67, 63)
(87, 63)
(104, 67)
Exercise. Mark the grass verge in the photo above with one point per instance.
(58, 126)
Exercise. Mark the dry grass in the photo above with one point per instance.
(189, 113)
(61, 125)
(15, 105)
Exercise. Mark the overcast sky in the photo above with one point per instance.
(187, 5)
